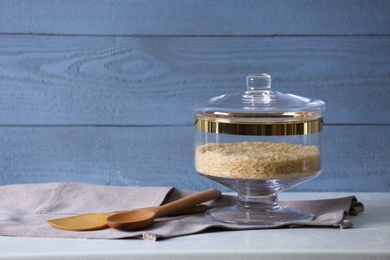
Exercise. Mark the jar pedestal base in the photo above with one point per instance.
(242, 216)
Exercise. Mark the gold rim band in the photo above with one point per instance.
(259, 128)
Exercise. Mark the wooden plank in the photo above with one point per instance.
(355, 158)
(154, 80)
(194, 17)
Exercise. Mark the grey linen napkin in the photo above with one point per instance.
(25, 208)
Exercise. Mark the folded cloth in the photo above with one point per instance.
(25, 209)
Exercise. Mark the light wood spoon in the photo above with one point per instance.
(97, 221)
(138, 219)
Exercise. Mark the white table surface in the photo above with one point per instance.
(368, 239)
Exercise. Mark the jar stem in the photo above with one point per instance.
(268, 202)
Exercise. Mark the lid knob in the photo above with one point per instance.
(258, 82)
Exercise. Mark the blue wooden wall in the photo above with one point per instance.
(101, 91)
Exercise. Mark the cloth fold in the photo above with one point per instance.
(25, 209)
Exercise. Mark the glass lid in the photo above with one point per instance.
(260, 102)
(259, 110)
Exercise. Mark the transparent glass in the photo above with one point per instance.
(257, 200)
(258, 143)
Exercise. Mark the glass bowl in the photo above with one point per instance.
(258, 142)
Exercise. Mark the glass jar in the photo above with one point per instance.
(258, 142)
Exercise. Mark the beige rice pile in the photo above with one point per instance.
(257, 160)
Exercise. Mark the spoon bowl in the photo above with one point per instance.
(136, 219)
(83, 222)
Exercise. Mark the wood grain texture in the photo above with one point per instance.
(355, 158)
(194, 17)
(46, 80)
(101, 91)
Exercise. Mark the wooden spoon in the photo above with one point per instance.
(97, 221)
(138, 219)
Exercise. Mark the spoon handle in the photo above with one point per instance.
(187, 202)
